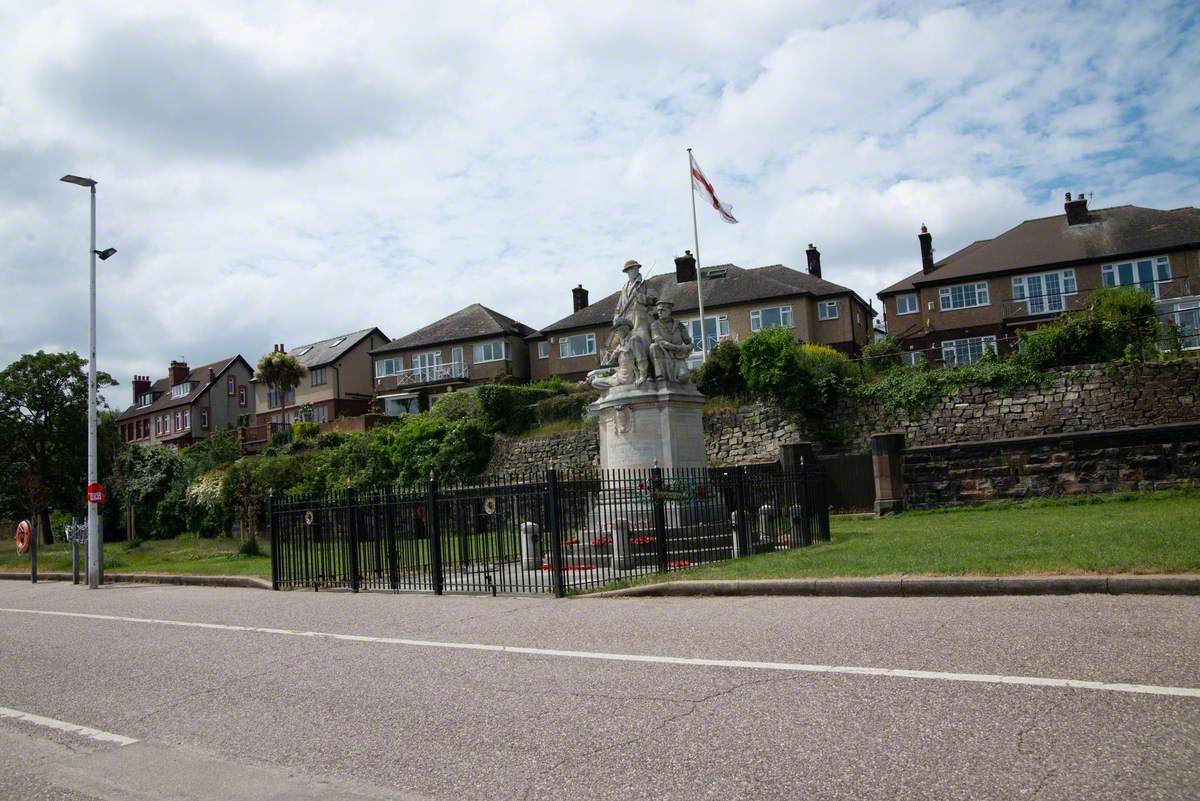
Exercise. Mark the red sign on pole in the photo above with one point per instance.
(95, 493)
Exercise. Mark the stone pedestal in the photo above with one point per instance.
(887, 461)
(652, 425)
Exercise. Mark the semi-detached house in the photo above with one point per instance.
(977, 298)
(189, 403)
(737, 303)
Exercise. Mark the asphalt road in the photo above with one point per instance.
(401, 711)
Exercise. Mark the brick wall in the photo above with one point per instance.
(565, 451)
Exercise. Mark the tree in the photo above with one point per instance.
(280, 372)
(43, 434)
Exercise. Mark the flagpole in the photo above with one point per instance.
(699, 272)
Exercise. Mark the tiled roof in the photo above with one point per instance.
(739, 285)
(199, 378)
(473, 322)
(1109, 233)
(329, 350)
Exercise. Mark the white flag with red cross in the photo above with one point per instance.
(701, 185)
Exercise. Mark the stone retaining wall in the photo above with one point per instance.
(1146, 458)
(566, 451)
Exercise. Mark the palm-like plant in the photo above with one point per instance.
(281, 372)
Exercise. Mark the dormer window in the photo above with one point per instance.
(715, 272)
(183, 390)
(146, 400)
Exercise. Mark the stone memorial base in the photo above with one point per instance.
(654, 425)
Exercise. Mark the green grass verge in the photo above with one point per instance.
(184, 555)
(1123, 533)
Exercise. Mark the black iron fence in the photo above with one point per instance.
(551, 532)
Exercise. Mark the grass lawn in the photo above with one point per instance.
(1124, 533)
(190, 555)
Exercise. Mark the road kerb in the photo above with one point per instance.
(250, 582)
(921, 586)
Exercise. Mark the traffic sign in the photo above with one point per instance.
(95, 493)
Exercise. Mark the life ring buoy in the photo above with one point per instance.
(23, 536)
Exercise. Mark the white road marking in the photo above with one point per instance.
(795, 667)
(62, 725)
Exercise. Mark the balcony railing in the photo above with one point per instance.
(1056, 303)
(432, 374)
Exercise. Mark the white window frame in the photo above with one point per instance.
(1160, 266)
(157, 425)
(243, 397)
(204, 418)
(907, 297)
(721, 326)
(395, 363)
(231, 386)
(181, 390)
(785, 317)
(543, 349)
(567, 351)
(1043, 301)
(314, 374)
(946, 296)
(187, 419)
(952, 347)
(494, 350)
(823, 308)
(912, 357)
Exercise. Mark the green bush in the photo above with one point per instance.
(250, 548)
(916, 387)
(882, 355)
(330, 439)
(457, 406)
(808, 378)
(305, 430)
(554, 384)
(1116, 323)
(721, 375)
(510, 408)
(281, 438)
(563, 407)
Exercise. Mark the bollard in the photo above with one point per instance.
(622, 552)
(531, 546)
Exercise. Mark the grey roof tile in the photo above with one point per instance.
(473, 322)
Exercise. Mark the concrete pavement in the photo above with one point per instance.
(411, 714)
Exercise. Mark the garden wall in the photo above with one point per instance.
(1147, 458)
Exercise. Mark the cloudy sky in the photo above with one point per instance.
(296, 171)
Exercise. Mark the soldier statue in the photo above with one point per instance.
(631, 358)
(670, 346)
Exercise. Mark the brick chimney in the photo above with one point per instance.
(141, 385)
(685, 267)
(179, 372)
(814, 261)
(926, 240)
(579, 298)
(1076, 209)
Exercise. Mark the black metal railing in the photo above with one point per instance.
(555, 531)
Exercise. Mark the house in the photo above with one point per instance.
(737, 302)
(472, 346)
(188, 404)
(337, 381)
(976, 298)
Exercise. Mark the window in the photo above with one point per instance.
(715, 329)
(578, 345)
(231, 386)
(1044, 291)
(146, 400)
(318, 376)
(964, 296)
(907, 303)
(827, 310)
(912, 358)
(320, 414)
(178, 421)
(242, 396)
(157, 426)
(456, 356)
(303, 350)
(1184, 315)
(774, 317)
(965, 351)
(337, 342)
(543, 350)
(273, 397)
(496, 351)
(1143, 273)
(187, 419)
(204, 418)
(182, 390)
(387, 367)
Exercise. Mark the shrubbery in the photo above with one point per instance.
(1116, 323)
(882, 355)
(509, 409)
(809, 378)
(721, 375)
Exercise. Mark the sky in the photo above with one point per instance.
(287, 172)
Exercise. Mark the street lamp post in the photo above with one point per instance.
(95, 547)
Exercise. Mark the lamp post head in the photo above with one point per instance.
(106, 254)
(75, 179)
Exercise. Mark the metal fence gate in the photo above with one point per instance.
(550, 532)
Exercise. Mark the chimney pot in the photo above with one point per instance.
(926, 240)
(685, 267)
(579, 298)
(814, 261)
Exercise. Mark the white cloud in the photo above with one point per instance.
(285, 172)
